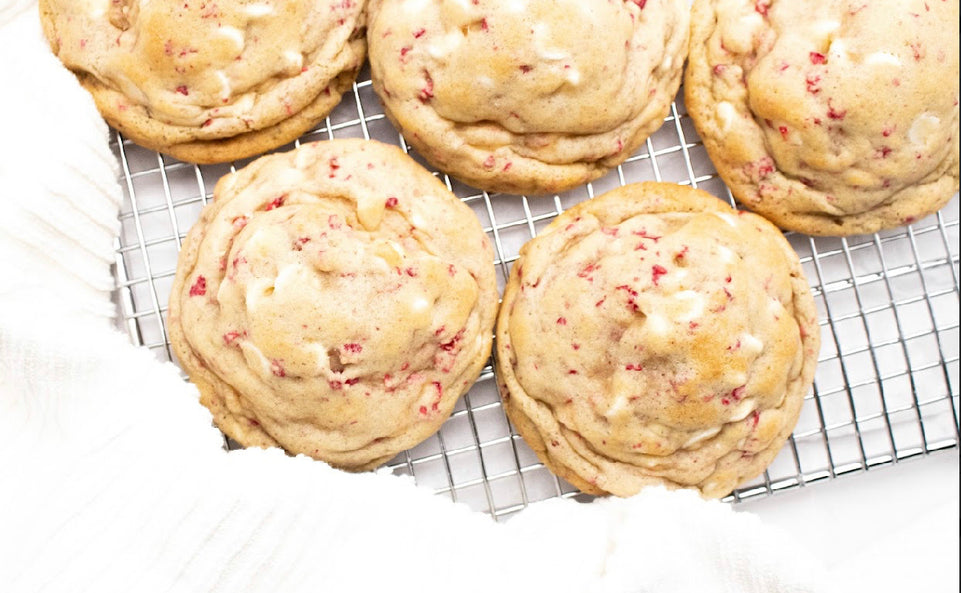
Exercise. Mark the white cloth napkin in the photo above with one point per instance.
(112, 477)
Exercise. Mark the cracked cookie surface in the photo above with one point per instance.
(335, 301)
(210, 82)
(829, 118)
(527, 96)
(653, 335)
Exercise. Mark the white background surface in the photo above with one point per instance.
(889, 529)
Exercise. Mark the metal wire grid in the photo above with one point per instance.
(886, 386)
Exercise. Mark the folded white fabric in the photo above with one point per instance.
(113, 478)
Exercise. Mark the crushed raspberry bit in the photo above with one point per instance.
(207, 122)
(883, 152)
(334, 165)
(693, 325)
(239, 222)
(182, 89)
(640, 3)
(765, 167)
(353, 347)
(450, 345)
(426, 93)
(680, 254)
(353, 381)
(813, 84)
(419, 33)
(276, 202)
(762, 6)
(600, 302)
(277, 368)
(835, 113)
(737, 393)
(403, 53)
(412, 272)
(612, 231)
(300, 242)
(405, 366)
(735, 347)
(489, 162)
(586, 272)
(572, 372)
(451, 270)
(783, 130)
(818, 58)
(391, 202)
(719, 69)
(575, 346)
(644, 235)
(561, 321)
(199, 287)
(633, 367)
(632, 294)
(333, 221)
(656, 272)
(335, 384)
(231, 337)
(423, 410)
(753, 418)
(918, 50)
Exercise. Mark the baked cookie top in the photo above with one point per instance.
(653, 335)
(830, 118)
(210, 81)
(527, 96)
(335, 300)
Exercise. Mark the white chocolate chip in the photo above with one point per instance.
(725, 115)
(258, 10)
(235, 35)
(925, 126)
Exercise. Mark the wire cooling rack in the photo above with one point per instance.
(886, 388)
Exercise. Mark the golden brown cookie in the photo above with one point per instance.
(829, 118)
(653, 335)
(335, 300)
(527, 96)
(210, 82)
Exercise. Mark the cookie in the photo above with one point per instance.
(210, 82)
(335, 301)
(829, 118)
(655, 336)
(527, 97)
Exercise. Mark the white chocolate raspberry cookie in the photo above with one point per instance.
(335, 301)
(210, 81)
(827, 117)
(527, 96)
(655, 336)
